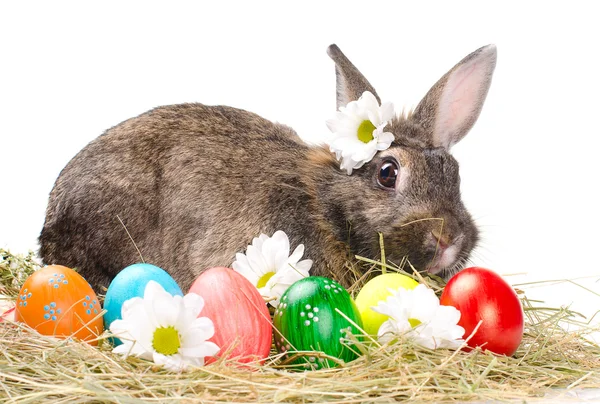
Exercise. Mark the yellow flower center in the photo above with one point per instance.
(365, 131)
(262, 282)
(166, 340)
(413, 322)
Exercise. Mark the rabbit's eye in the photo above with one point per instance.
(388, 173)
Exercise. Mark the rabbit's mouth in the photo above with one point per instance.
(441, 263)
(446, 256)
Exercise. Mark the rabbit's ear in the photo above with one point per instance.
(350, 83)
(452, 105)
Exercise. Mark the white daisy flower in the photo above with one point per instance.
(418, 314)
(269, 266)
(165, 329)
(358, 131)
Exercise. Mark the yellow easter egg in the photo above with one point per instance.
(376, 290)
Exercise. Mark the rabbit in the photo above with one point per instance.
(194, 184)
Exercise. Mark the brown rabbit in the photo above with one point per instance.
(194, 184)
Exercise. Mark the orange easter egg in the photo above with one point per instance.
(58, 301)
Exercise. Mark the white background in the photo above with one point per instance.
(70, 70)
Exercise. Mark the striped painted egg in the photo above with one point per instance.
(243, 327)
(313, 315)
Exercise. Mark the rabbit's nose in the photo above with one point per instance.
(442, 240)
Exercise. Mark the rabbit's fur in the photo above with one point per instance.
(193, 184)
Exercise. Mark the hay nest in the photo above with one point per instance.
(35, 367)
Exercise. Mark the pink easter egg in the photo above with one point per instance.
(243, 327)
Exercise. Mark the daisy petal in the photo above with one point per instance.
(374, 117)
(385, 140)
(303, 267)
(368, 101)
(194, 303)
(297, 254)
(165, 310)
(242, 266)
(200, 330)
(200, 351)
(387, 111)
(174, 363)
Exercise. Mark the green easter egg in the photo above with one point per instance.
(307, 320)
(376, 290)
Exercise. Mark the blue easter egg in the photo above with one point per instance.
(131, 282)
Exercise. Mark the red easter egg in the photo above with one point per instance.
(57, 301)
(482, 295)
(243, 327)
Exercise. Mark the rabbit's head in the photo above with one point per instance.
(410, 192)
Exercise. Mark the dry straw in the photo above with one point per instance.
(35, 368)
